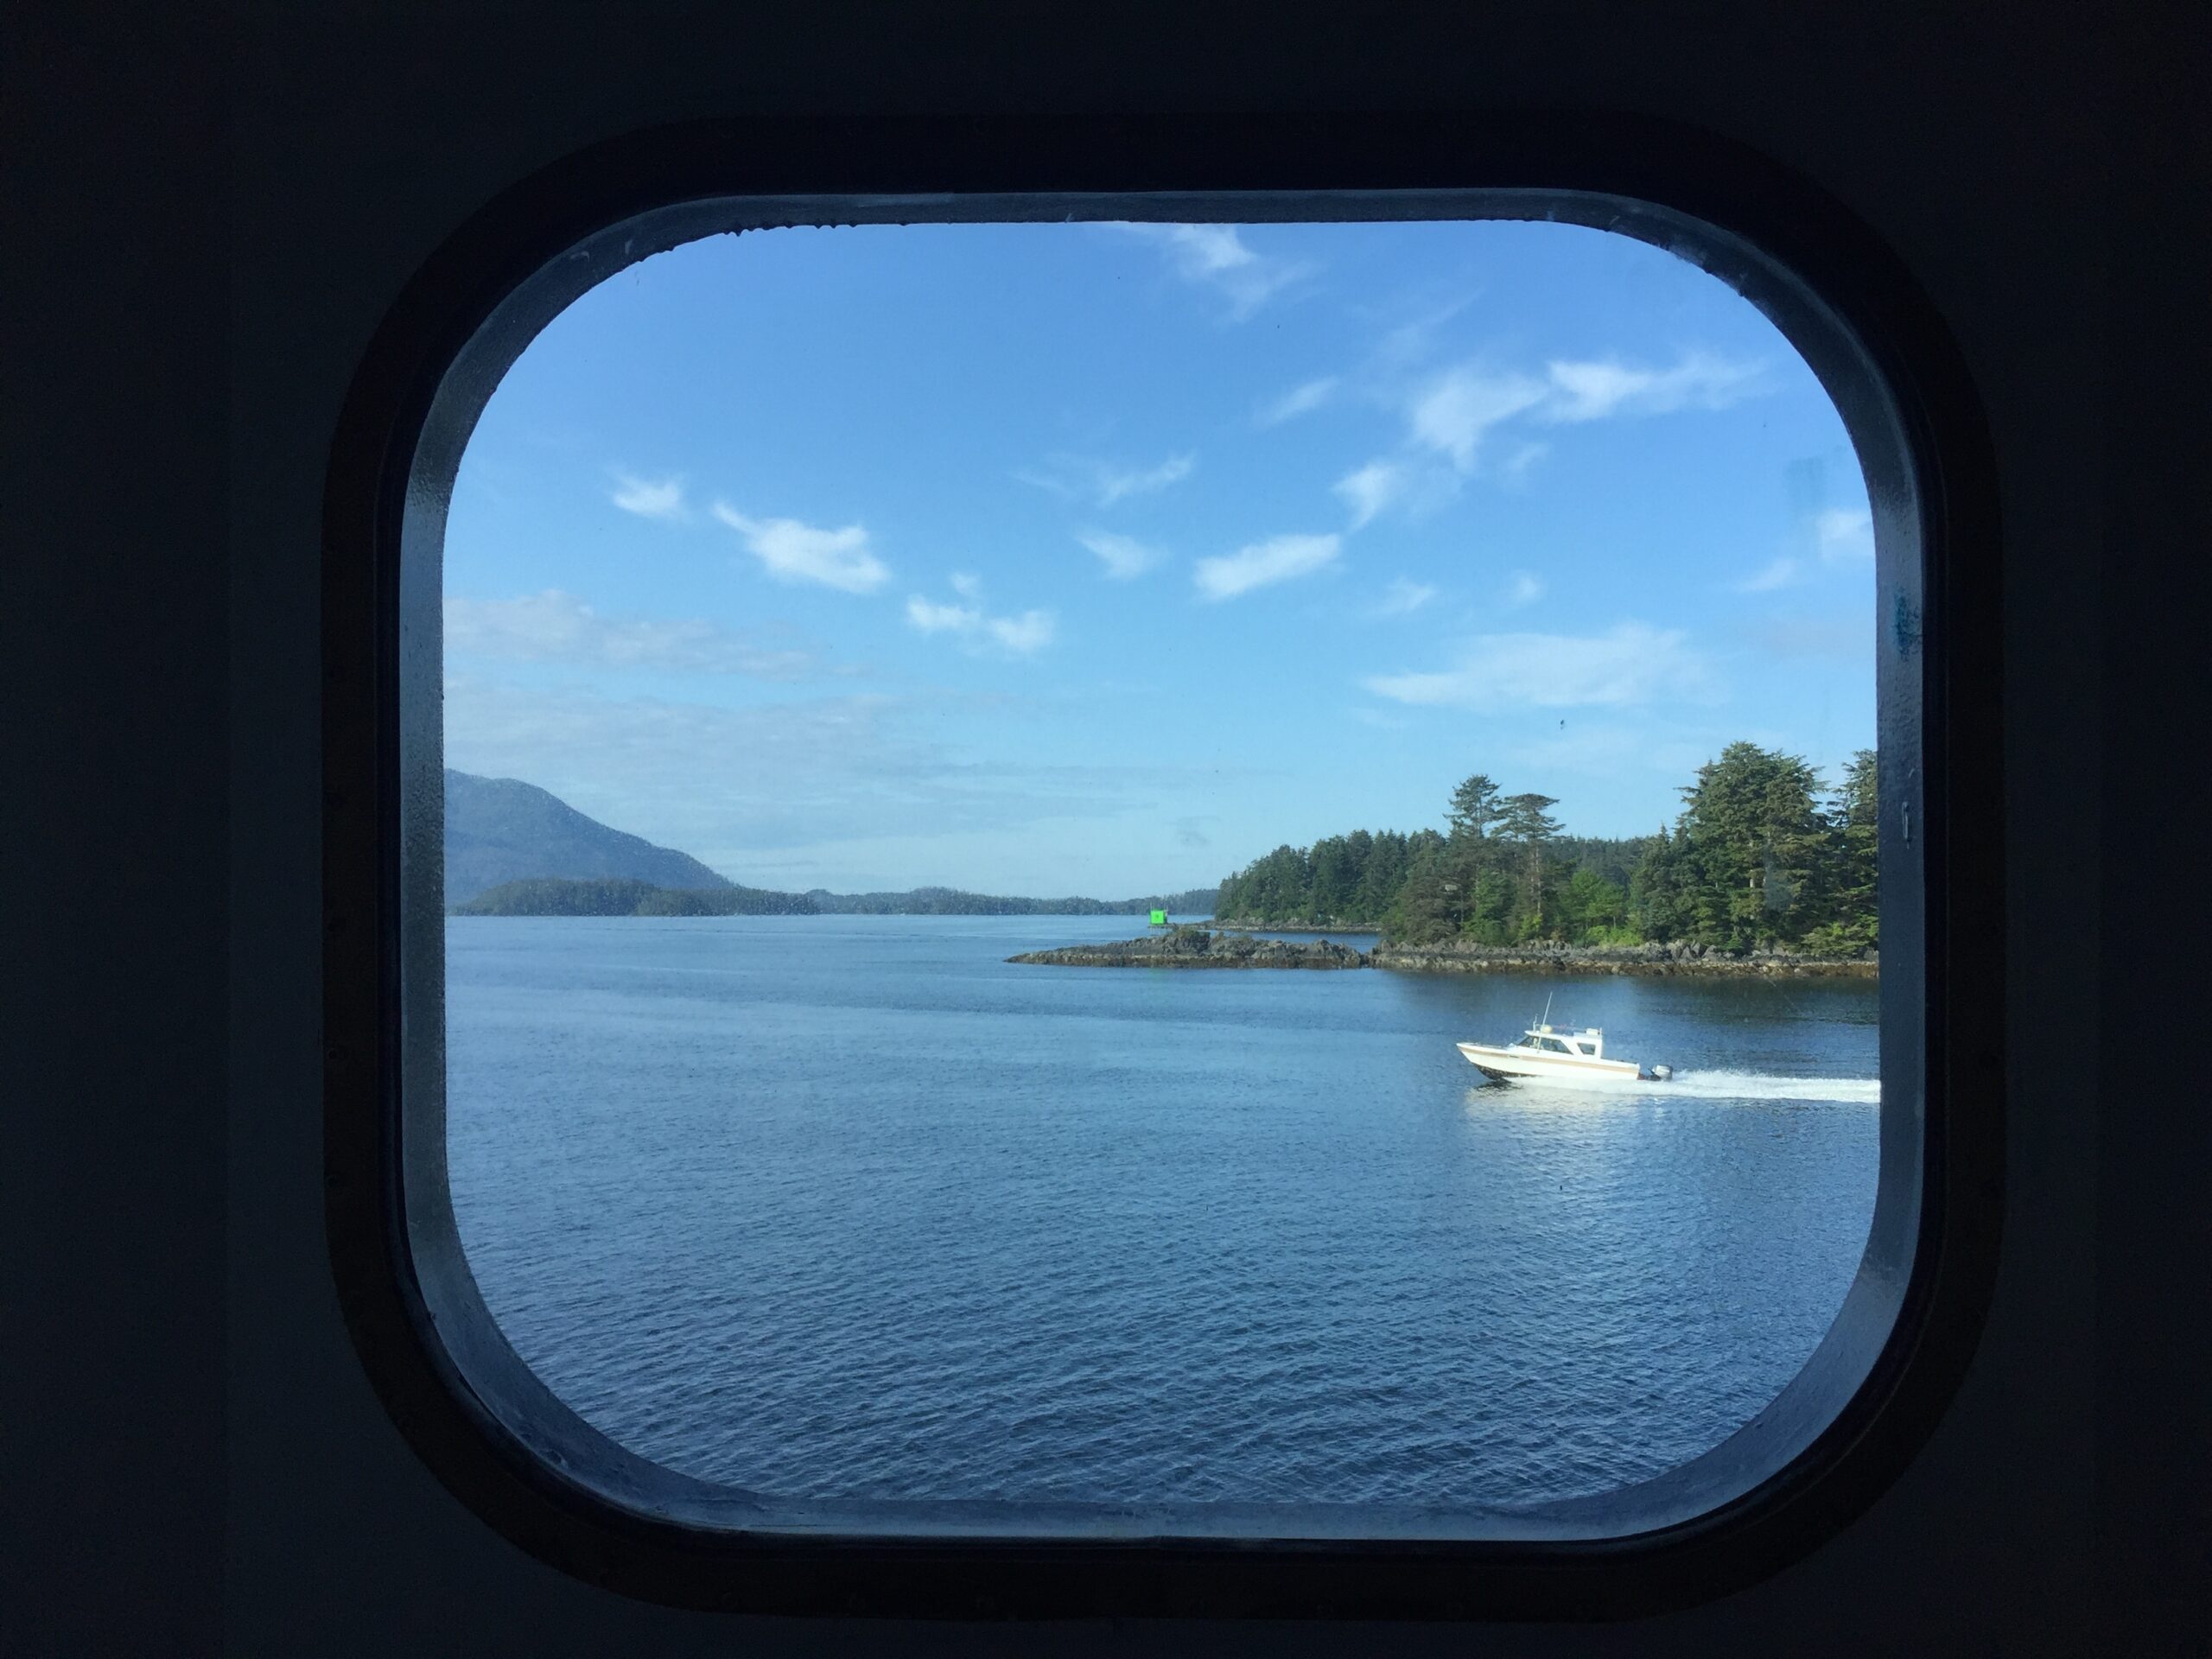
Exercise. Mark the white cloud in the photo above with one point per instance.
(931, 618)
(660, 498)
(1216, 256)
(1629, 665)
(1591, 390)
(1453, 412)
(1370, 489)
(1299, 400)
(1262, 563)
(1081, 478)
(1024, 635)
(1780, 573)
(1844, 534)
(791, 551)
(1124, 556)
(557, 627)
(1019, 635)
(965, 583)
(1402, 597)
(1527, 589)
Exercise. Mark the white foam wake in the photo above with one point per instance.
(1713, 1085)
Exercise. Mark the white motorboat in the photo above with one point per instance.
(1561, 1055)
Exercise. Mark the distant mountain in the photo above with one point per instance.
(512, 850)
(499, 830)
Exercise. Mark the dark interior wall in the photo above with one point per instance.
(206, 220)
(115, 653)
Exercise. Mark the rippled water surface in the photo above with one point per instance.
(850, 1208)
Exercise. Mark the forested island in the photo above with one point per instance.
(1760, 859)
(951, 901)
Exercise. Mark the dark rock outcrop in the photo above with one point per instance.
(1197, 948)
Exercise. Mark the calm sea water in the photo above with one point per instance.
(850, 1208)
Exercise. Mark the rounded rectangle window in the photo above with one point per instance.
(1093, 870)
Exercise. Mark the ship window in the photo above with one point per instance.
(809, 725)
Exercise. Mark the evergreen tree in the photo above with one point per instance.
(1854, 821)
(1755, 841)
(1475, 806)
(1526, 823)
(1657, 902)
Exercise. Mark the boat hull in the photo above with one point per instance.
(1507, 1064)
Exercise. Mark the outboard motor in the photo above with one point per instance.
(1661, 1073)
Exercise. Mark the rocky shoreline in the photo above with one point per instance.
(1651, 959)
(1368, 932)
(1200, 948)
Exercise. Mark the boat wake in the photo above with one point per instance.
(1709, 1085)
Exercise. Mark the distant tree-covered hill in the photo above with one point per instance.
(951, 901)
(547, 896)
(615, 896)
(499, 830)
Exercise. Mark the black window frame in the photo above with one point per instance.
(1841, 1432)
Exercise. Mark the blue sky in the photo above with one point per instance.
(1101, 559)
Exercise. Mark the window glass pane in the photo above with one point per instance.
(917, 701)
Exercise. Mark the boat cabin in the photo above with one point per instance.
(1590, 1043)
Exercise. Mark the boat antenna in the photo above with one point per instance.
(1546, 1020)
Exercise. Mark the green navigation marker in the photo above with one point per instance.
(1159, 919)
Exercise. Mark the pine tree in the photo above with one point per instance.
(1527, 824)
(1755, 842)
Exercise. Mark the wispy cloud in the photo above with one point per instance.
(558, 627)
(1455, 410)
(1416, 319)
(1518, 465)
(1263, 564)
(1370, 489)
(1594, 390)
(1525, 589)
(795, 552)
(1452, 413)
(1016, 636)
(661, 499)
(1102, 484)
(1124, 556)
(1783, 573)
(1631, 665)
(1402, 598)
(1842, 533)
(1218, 256)
(1299, 400)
